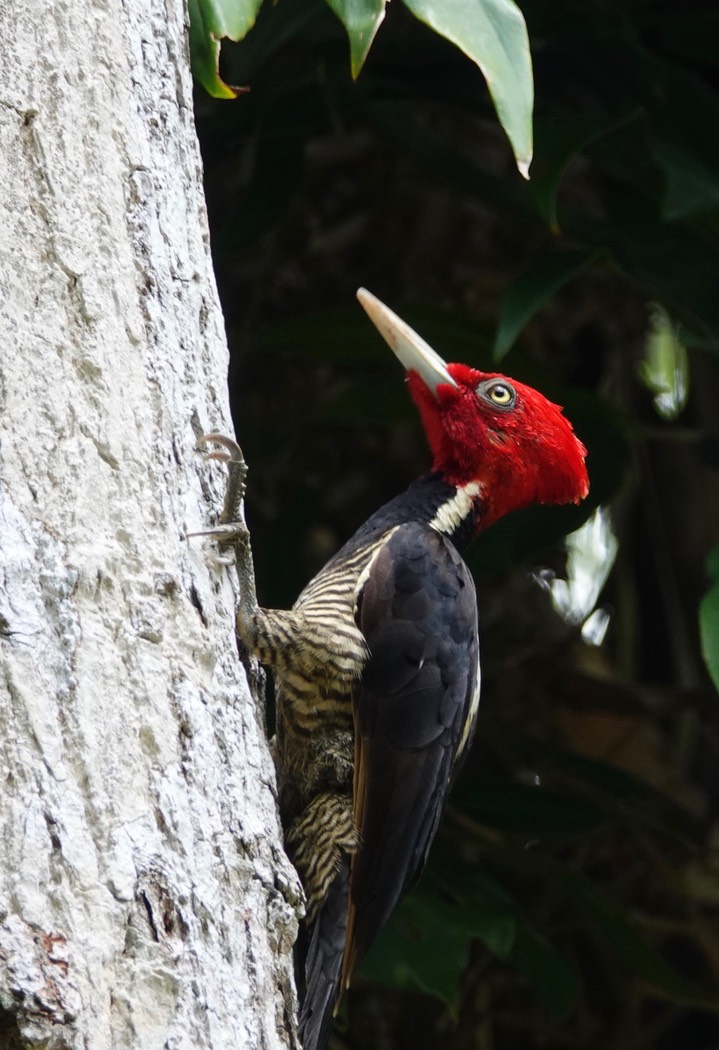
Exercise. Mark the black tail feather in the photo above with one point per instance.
(323, 964)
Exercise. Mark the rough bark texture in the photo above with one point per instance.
(145, 901)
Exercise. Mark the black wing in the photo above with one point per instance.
(414, 710)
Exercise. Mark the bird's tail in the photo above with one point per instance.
(325, 944)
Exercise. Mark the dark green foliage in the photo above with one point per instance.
(571, 899)
(492, 33)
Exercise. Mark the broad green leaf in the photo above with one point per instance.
(493, 34)
(709, 619)
(211, 21)
(427, 943)
(532, 290)
(361, 19)
(665, 368)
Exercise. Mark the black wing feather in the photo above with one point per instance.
(418, 614)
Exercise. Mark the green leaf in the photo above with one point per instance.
(709, 619)
(427, 943)
(361, 19)
(546, 276)
(493, 34)
(665, 368)
(212, 21)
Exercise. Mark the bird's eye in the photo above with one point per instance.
(498, 392)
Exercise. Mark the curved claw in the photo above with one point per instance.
(224, 534)
(235, 452)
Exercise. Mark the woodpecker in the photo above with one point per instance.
(377, 664)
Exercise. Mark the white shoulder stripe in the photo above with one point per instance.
(458, 507)
(374, 552)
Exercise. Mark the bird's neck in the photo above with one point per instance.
(454, 511)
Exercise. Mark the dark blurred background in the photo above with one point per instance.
(572, 897)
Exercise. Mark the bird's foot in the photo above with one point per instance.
(232, 535)
(231, 524)
(231, 532)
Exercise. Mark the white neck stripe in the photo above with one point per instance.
(458, 507)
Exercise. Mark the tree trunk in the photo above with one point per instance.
(145, 900)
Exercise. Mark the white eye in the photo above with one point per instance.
(498, 392)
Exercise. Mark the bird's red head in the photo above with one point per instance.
(486, 429)
(504, 435)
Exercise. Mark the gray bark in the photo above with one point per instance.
(145, 900)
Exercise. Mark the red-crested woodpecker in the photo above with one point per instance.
(377, 663)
